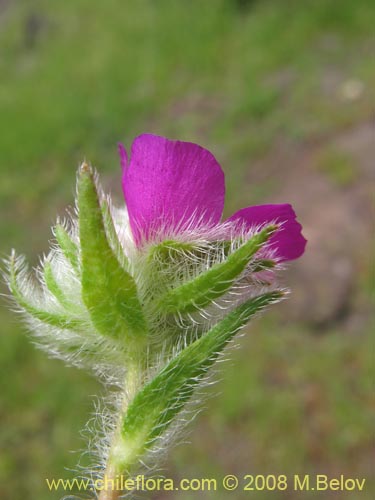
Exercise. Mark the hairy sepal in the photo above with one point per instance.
(56, 290)
(155, 406)
(108, 290)
(112, 235)
(54, 319)
(67, 246)
(216, 281)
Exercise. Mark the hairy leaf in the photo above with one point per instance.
(155, 406)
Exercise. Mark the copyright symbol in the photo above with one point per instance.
(230, 482)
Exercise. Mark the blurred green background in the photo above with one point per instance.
(283, 93)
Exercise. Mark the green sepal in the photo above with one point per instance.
(55, 288)
(68, 247)
(169, 249)
(108, 291)
(112, 235)
(262, 265)
(166, 263)
(155, 406)
(53, 319)
(213, 283)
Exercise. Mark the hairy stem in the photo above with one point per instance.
(110, 493)
(112, 473)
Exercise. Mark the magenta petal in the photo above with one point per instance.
(171, 185)
(288, 241)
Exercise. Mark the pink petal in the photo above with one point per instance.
(288, 241)
(169, 186)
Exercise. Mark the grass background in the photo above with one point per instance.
(283, 93)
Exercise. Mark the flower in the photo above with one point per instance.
(170, 186)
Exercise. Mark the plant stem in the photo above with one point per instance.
(110, 493)
(112, 473)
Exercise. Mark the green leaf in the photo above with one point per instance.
(109, 292)
(155, 406)
(210, 285)
(68, 247)
(54, 319)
